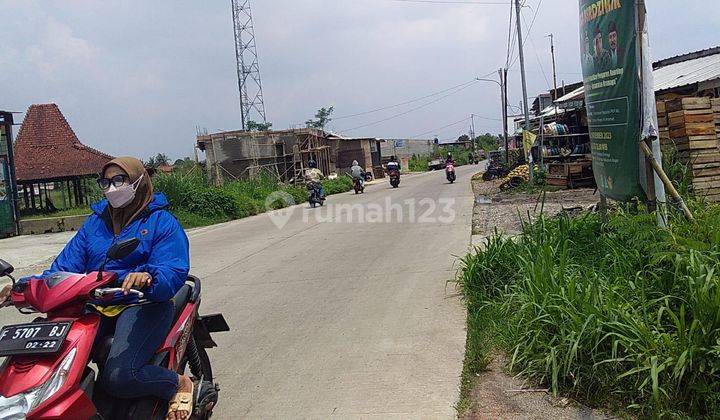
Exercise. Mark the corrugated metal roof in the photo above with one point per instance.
(687, 72)
(674, 75)
(575, 94)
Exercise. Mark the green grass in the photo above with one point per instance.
(622, 314)
(191, 220)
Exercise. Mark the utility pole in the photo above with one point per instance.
(472, 130)
(552, 52)
(503, 100)
(524, 82)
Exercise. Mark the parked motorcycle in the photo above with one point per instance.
(48, 375)
(358, 186)
(316, 195)
(394, 178)
(450, 172)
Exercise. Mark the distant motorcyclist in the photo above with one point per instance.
(449, 160)
(450, 168)
(393, 164)
(313, 176)
(357, 172)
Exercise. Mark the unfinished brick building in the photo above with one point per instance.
(285, 153)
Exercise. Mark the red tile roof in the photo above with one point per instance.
(47, 148)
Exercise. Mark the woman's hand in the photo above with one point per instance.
(136, 281)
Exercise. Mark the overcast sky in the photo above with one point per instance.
(136, 77)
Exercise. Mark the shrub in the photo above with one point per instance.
(419, 163)
(338, 185)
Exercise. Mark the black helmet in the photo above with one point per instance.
(312, 163)
(392, 158)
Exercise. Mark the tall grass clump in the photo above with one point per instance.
(620, 314)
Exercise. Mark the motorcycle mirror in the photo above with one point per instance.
(122, 249)
(5, 268)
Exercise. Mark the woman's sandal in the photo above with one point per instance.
(183, 401)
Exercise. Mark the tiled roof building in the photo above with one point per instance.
(48, 149)
(49, 156)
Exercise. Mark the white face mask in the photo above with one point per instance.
(121, 196)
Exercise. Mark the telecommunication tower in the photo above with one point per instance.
(252, 107)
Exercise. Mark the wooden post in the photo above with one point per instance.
(81, 186)
(32, 195)
(603, 209)
(75, 192)
(26, 199)
(83, 192)
(66, 186)
(62, 193)
(666, 181)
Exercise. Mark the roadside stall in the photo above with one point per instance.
(562, 146)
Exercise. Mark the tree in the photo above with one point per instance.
(487, 142)
(150, 163)
(157, 160)
(322, 118)
(162, 159)
(463, 139)
(256, 126)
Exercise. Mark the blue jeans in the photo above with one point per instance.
(139, 331)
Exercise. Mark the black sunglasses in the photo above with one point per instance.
(116, 181)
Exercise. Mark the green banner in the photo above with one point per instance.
(608, 45)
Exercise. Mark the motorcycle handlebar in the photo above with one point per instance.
(99, 293)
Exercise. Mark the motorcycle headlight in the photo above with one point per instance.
(17, 406)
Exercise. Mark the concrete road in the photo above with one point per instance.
(344, 311)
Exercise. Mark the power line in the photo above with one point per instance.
(511, 39)
(410, 110)
(537, 9)
(542, 69)
(372, 111)
(441, 128)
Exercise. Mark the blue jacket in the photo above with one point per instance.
(163, 251)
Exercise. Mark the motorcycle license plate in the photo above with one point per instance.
(34, 338)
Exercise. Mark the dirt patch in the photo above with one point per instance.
(498, 395)
(504, 211)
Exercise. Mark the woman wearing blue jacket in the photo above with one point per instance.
(158, 267)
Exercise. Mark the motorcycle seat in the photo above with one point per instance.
(181, 298)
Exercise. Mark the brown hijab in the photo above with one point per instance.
(143, 195)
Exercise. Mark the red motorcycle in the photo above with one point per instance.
(394, 177)
(47, 374)
(358, 186)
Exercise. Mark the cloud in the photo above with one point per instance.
(137, 77)
(57, 50)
